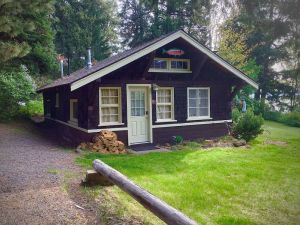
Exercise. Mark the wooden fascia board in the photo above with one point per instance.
(153, 47)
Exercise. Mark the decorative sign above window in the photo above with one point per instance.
(173, 52)
(170, 65)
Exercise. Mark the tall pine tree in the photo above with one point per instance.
(83, 24)
(146, 19)
(25, 34)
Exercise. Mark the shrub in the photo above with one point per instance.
(235, 114)
(291, 119)
(32, 108)
(16, 88)
(247, 126)
(272, 115)
(177, 139)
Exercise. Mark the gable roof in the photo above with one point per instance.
(84, 76)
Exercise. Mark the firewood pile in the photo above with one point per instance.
(105, 142)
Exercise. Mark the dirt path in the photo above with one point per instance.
(32, 185)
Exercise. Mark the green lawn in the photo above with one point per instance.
(260, 185)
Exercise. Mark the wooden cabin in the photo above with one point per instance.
(170, 86)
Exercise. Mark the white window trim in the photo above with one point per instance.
(57, 100)
(172, 106)
(119, 105)
(73, 120)
(188, 105)
(169, 69)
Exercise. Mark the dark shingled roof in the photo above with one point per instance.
(79, 74)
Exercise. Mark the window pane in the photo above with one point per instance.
(113, 118)
(192, 93)
(105, 100)
(105, 111)
(192, 102)
(204, 102)
(173, 65)
(113, 92)
(168, 115)
(203, 111)
(105, 119)
(137, 103)
(193, 112)
(105, 92)
(159, 64)
(179, 64)
(203, 93)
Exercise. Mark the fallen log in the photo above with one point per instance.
(158, 207)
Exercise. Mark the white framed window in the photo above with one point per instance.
(110, 106)
(57, 100)
(160, 63)
(198, 103)
(170, 65)
(74, 111)
(165, 104)
(180, 64)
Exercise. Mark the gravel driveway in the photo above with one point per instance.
(32, 170)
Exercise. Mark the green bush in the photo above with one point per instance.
(272, 115)
(17, 88)
(247, 126)
(291, 119)
(32, 108)
(235, 114)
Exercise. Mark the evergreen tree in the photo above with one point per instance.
(83, 24)
(147, 19)
(26, 35)
(233, 47)
(134, 24)
(267, 29)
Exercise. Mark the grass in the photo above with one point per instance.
(259, 185)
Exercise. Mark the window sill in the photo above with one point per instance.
(198, 118)
(110, 124)
(168, 71)
(165, 121)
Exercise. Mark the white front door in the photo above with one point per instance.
(138, 109)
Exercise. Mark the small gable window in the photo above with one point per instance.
(198, 103)
(170, 65)
(110, 106)
(180, 64)
(74, 111)
(159, 64)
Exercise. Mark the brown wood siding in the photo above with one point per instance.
(205, 131)
(63, 111)
(205, 73)
(74, 137)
